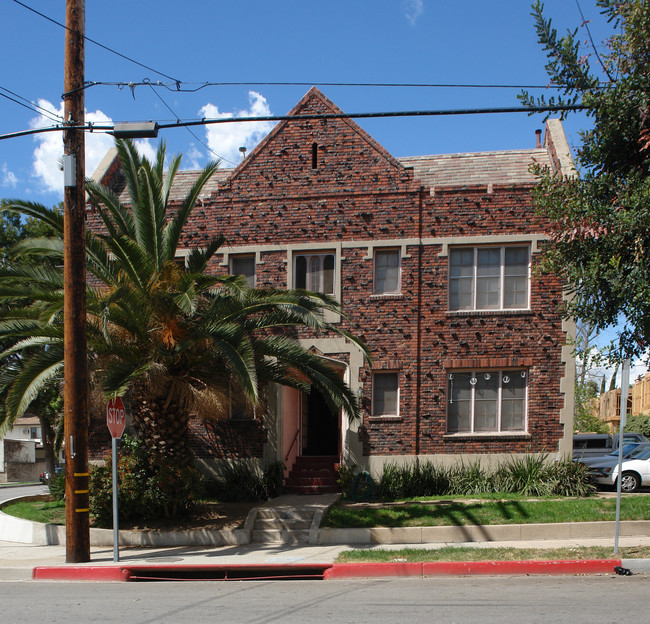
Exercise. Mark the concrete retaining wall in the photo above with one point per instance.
(23, 531)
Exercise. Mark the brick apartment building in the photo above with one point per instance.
(434, 261)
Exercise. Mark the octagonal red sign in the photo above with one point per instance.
(116, 417)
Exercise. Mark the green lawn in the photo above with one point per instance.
(48, 512)
(459, 512)
(468, 553)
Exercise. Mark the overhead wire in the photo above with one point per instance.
(192, 133)
(92, 127)
(177, 85)
(97, 43)
(35, 108)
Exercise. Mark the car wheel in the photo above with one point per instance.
(630, 482)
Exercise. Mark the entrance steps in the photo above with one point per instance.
(289, 519)
(312, 475)
(284, 526)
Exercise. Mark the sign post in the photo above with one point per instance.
(116, 421)
(625, 389)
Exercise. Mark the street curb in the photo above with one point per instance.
(471, 568)
(125, 573)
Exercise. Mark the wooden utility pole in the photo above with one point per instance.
(75, 393)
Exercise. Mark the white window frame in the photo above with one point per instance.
(313, 257)
(472, 424)
(502, 276)
(378, 253)
(373, 408)
(249, 256)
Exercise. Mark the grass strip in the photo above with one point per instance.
(468, 553)
(460, 512)
(48, 512)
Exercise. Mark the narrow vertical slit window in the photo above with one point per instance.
(314, 156)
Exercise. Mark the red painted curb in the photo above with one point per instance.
(81, 573)
(465, 568)
(352, 570)
(329, 571)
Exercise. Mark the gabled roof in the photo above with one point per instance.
(510, 167)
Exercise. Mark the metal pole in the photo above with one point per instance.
(116, 532)
(75, 393)
(625, 388)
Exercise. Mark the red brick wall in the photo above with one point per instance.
(360, 193)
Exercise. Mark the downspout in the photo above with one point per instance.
(418, 351)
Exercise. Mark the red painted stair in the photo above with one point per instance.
(312, 475)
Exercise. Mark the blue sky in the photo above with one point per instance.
(482, 42)
(357, 41)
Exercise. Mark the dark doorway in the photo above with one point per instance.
(320, 426)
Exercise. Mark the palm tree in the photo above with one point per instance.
(173, 340)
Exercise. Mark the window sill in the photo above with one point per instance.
(384, 419)
(526, 312)
(388, 296)
(497, 435)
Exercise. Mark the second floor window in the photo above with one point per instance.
(489, 278)
(314, 272)
(387, 272)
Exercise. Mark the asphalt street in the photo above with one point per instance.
(488, 600)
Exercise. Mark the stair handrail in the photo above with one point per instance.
(295, 438)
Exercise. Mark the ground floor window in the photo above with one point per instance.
(486, 401)
(385, 394)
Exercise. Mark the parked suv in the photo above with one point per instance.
(596, 444)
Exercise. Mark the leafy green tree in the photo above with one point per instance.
(638, 424)
(47, 405)
(173, 340)
(600, 236)
(585, 419)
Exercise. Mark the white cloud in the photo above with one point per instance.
(48, 154)
(146, 149)
(9, 179)
(49, 151)
(413, 9)
(225, 139)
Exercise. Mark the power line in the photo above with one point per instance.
(30, 105)
(177, 85)
(190, 131)
(97, 43)
(321, 116)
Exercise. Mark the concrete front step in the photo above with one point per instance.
(266, 524)
(310, 489)
(285, 515)
(280, 537)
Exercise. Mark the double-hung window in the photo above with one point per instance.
(486, 401)
(314, 272)
(387, 272)
(385, 394)
(244, 265)
(489, 278)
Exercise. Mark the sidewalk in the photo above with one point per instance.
(26, 561)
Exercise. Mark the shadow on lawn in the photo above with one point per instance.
(441, 513)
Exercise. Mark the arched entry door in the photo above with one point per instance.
(320, 426)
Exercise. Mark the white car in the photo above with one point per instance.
(635, 470)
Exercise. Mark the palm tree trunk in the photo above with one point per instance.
(161, 423)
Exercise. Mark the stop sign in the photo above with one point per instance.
(116, 417)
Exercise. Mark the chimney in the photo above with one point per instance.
(242, 151)
(538, 133)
